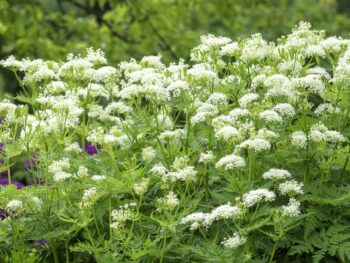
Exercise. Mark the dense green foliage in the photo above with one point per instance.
(49, 29)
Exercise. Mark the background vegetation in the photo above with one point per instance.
(49, 29)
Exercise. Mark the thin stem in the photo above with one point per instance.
(9, 173)
(273, 251)
(164, 247)
(55, 254)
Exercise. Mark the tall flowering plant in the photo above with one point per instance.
(240, 156)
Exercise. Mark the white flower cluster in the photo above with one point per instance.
(248, 99)
(227, 133)
(206, 157)
(256, 145)
(148, 154)
(230, 162)
(59, 169)
(181, 171)
(234, 242)
(270, 116)
(277, 174)
(319, 133)
(88, 198)
(73, 147)
(291, 187)
(14, 206)
(299, 139)
(168, 202)
(256, 196)
(292, 209)
(98, 177)
(199, 219)
(121, 215)
(141, 188)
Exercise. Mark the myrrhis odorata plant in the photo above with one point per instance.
(240, 154)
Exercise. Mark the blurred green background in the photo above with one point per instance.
(50, 29)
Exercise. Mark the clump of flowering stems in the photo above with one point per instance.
(150, 162)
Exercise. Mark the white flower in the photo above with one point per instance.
(98, 177)
(276, 81)
(121, 215)
(315, 50)
(277, 174)
(299, 139)
(96, 56)
(73, 147)
(177, 87)
(222, 212)
(206, 157)
(200, 117)
(170, 201)
(234, 242)
(14, 205)
(292, 209)
(60, 165)
(196, 219)
(267, 134)
(285, 109)
(239, 113)
(326, 108)
(200, 73)
(229, 49)
(61, 176)
(256, 196)
(248, 99)
(171, 135)
(148, 154)
(159, 170)
(334, 137)
(187, 173)
(320, 133)
(291, 67)
(88, 197)
(319, 71)
(141, 188)
(257, 145)
(270, 116)
(12, 62)
(153, 61)
(313, 83)
(291, 187)
(38, 203)
(82, 171)
(217, 98)
(227, 133)
(230, 162)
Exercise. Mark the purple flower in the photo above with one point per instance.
(3, 173)
(1, 146)
(31, 163)
(90, 149)
(5, 182)
(40, 243)
(3, 214)
(1, 121)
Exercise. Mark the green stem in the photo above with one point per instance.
(55, 254)
(273, 251)
(67, 251)
(164, 247)
(9, 173)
